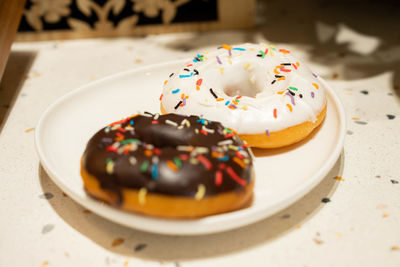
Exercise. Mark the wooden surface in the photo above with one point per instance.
(10, 14)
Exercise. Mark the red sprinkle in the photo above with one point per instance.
(222, 166)
(239, 155)
(284, 51)
(121, 129)
(161, 96)
(275, 113)
(228, 135)
(119, 134)
(156, 151)
(218, 178)
(155, 122)
(203, 132)
(266, 51)
(205, 162)
(235, 177)
(112, 149)
(184, 157)
(294, 66)
(199, 81)
(285, 70)
(189, 65)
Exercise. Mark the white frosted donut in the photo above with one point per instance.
(257, 90)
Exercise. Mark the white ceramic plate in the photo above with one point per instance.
(67, 125)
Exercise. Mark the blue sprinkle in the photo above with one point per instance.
(238, 48)
(154, 171)
(195, 60)
(131, 122)
(226, 103)
(176, 91)
(186, 76)
(224, 158)
(202, 121)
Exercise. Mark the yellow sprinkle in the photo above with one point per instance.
(315, 85)
(221, 70)
(187, 124)
(230, 61)
(29, 130)
(201, 190)
(246, 66)
(233, 147)
(142, 196)
(244, 108)
(110, 167)
(338, 178)
(290, 107)
(196, 131)
(252, 49)
(220, 99)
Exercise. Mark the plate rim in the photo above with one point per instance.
(107, 212)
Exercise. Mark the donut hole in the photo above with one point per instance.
(238, 81)
(233, 90)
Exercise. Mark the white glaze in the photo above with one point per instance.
(243, 73)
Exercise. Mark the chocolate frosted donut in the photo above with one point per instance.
(169, 166)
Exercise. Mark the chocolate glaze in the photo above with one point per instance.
(141, 151)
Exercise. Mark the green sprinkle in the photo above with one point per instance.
(293, 88)
(108, 160)
(178, 162)
(228, 130)
(129, 141)
(144, 166)
(262, 54)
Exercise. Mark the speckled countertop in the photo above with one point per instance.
(351, 218)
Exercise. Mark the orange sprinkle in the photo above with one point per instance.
(239, 162)
(280, 92)
(165, 82)
(197, 88)
(297, 64)
(281, 78)
(233, 131)
(117, 242)
(182, 96)
(338, 178)
(275, 113)
(172, 165)
(148, 153)
(220, 99)
(216, 154)
(284, 51)
(231, 107)
(315, 85)
(290, 107)
(276, 70)
(225, 46)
